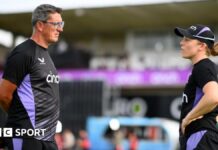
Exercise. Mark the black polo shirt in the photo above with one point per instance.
(203, 72)
(35, 103)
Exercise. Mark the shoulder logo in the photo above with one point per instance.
(41, 60)
(193, 28)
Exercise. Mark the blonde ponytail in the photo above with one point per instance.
(214, 50)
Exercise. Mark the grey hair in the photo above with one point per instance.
(42, 12)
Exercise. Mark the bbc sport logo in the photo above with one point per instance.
(6, 132)
(9, 132)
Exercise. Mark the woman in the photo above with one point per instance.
(199, 110)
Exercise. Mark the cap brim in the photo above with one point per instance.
(182, 33)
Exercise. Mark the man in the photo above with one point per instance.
(29, 89)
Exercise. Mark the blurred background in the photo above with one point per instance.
(122, 76)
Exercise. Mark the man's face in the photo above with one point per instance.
(52, 28)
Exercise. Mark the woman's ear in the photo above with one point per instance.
(203, 45)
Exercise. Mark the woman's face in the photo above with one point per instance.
(189, 47)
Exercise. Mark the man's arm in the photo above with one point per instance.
(207, 103)
(7, 89)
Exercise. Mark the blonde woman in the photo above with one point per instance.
(198, 121)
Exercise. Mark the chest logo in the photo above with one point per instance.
(42, 61)
(52, 78)
(184, 98)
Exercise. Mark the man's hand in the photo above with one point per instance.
(7, 89)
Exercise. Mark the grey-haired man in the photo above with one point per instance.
(29, 89)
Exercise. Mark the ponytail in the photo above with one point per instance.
(214, 50)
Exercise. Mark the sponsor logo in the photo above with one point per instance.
(134, 107)
(184, 98)
(42, 61)
(193, 28)
(51, 78)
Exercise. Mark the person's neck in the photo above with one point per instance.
(196, 59)
(39, 40)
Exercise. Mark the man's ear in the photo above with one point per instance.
(39, 26)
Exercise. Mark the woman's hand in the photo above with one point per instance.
(186, 121)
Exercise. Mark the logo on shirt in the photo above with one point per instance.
(51, 78)
(193, 28)
(42, 61)
(184, 98)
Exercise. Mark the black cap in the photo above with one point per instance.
(199, 32)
